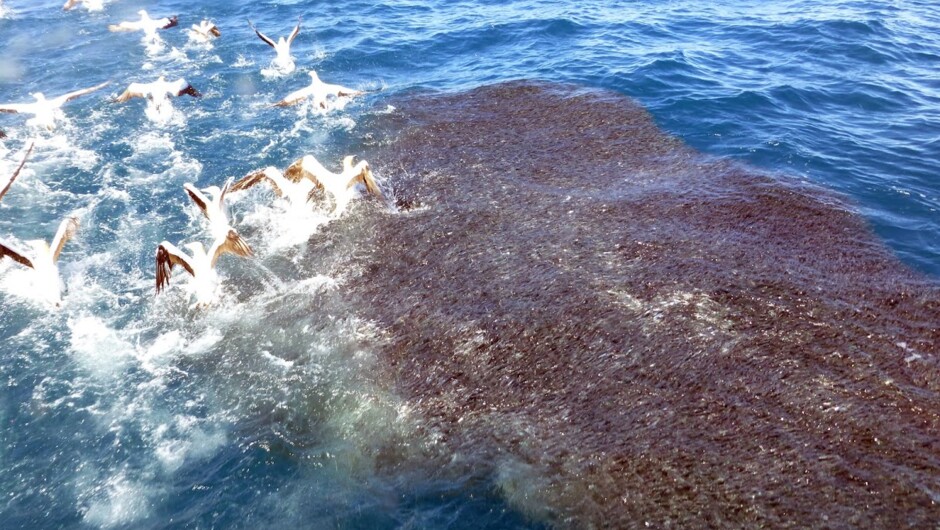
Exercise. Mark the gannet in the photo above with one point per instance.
(342, 185)
(284, 62)
(205, 31)
(45, 111)
(297, 193)
(198, 263)
(4, 186)
(146, 24)
(216, 212)
(43, 260)
(158, 92)
(320, 92)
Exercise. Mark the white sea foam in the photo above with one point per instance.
(284, 225)
(58, 150)
(26, 285)
(116, 502)
(93, 6)
(275, 70)
(185, 437)
(242, 62)
(98, 348)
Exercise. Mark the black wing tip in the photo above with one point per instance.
(2, 134)
(174, 21)
(190, 90)
(163, 268)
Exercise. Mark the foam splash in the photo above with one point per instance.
(284, 225)
(242, 62)
(165, 114)
(115, 502)
(93, 5)
(277, 70)
(98, 348)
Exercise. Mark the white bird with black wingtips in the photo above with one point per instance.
(283, 62)
(158, 94)
(146, 24)
(341, 186)
(204, 32)
(323, 96)
(298, 193)
(216, 212)
(199, 263)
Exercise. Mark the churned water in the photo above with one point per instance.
(569, 313)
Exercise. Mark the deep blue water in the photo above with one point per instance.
(120, 410)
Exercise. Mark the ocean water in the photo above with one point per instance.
(276, 407)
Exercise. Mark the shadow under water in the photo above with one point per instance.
(622, 331)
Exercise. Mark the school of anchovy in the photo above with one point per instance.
(299, 183)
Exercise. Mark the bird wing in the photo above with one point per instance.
(7, 250)
(339, 90)
(134, 90)
(344, 92)
(257, 177)
(225, 189)
(366, 178)
(124, 26)
(294, 98)
(232, 243)
(201, 201)
(293, 34)
(66, 231)
(296, 172)
(214, 30)
(168, 256)
(262, 35)
(72, 95)
(15, 108)
(16, 173)
(248, 181)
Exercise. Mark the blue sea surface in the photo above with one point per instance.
(119, 409)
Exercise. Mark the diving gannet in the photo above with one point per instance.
(158, 92)
(283, 62)
(43, 260)
(320, 92)
(9, 182)
(205, 31)
(297, 193)
(216, 212)
(341, 186)
(198, 263)
(45, 111)
(146, 24)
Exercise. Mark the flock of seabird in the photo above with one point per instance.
(299, 183)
